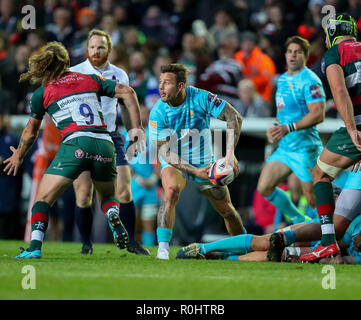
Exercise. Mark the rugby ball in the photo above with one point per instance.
(219, 174)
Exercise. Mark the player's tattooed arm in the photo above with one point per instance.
(234, 124)
(130, 100)
(164, 150)
(132, 115)
(125, 115)
(28, 137)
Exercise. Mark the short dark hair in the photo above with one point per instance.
(180, 71)
(305, 45)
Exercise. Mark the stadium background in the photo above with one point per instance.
(201, 34)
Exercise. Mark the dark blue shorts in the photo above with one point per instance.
(119, 141)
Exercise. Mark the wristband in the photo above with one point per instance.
(292, 127)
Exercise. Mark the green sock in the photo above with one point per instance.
(325, 204)
(39, 224)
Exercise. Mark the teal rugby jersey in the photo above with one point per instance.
(348, 239)
(293, 94)
(188, 125)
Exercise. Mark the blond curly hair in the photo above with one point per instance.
(49, 63)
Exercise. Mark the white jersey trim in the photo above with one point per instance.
(90, 134)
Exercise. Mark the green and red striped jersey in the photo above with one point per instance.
(73, 102)
(347, 54)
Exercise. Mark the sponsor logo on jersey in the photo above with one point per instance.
(79, 153)
(98, 157)
(316, 91)
(280, 103)
(153, 124)
(214, 99)
(71, 77)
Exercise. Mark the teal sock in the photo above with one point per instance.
(148, 238)
(164, 234)
(283, 202)
(236, 245)
(289, 237)
(233, 258)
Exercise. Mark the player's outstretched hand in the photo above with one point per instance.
(13, 163)
(138, 142)
(140, 139)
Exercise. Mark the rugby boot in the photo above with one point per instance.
(192, 251)
(321, 252)
(26, 254)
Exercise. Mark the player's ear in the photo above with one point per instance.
(181, 86)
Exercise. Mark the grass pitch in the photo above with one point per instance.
(110, 273)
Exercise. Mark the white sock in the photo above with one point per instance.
(163, 245)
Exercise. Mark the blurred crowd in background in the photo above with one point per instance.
(234, 48)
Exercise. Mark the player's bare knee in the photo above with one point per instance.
(319, 175)
(228, 211)
(171, 194)
(124, 195)
(84, 202)
(84, 199)
(316, 174)
(264, 190)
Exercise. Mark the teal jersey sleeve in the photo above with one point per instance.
(313, 91)
(106, 87)
(212, 103)
(37, 104)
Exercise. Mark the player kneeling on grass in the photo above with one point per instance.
(72, 101)
(250, 247)
(247, 247)
(350, 247)
(347, 221)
